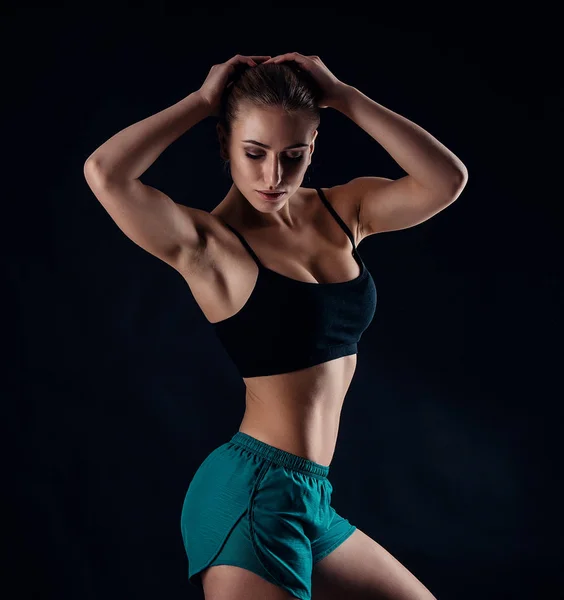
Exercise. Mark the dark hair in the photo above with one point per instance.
(274, 84)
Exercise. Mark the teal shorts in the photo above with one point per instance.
(255, 506)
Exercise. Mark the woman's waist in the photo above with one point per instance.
(305, 430)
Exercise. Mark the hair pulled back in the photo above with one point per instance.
(273, 84)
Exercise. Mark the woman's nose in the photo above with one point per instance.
(273, 172)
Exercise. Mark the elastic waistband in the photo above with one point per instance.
(278, 456)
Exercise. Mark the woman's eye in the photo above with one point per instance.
(256, 156)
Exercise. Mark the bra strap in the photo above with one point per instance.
(336, 215)
(245, 243)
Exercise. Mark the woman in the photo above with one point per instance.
(275, 270)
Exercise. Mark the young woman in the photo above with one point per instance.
(276, 271)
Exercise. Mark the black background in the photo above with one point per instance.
(115, 388)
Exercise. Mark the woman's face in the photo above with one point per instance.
(269, 150)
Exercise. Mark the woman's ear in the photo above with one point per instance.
(312, 145)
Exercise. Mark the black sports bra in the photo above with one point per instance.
(287, 324)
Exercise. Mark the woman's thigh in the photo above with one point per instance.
(361, 569)
(224, 582)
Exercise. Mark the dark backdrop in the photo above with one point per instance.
(115, 388)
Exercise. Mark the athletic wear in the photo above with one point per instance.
(287, 325)
(255, 506)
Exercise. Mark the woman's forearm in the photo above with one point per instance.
(416, 151)
(131, 151)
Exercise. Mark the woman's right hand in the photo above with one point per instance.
(218, 77)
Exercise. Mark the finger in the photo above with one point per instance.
(275, 58)
(238, 58)
(289, 56)
(255, 60)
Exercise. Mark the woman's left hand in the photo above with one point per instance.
(332, 88)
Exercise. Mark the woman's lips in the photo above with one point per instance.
(271, 196)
